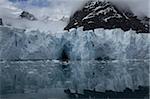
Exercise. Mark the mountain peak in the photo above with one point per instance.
(104, 14)
(27, 15)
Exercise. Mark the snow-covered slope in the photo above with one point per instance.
(75, 45)
(46, 20)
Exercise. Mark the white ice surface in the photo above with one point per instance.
(78, 44)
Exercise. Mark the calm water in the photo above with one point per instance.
(48, 79)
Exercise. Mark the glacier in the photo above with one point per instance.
(48, 76)
(32, 54)
(76, 44)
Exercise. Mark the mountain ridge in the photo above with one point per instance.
(105, 14)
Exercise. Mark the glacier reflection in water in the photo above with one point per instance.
(30, 77)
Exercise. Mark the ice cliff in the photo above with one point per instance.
(100, 44)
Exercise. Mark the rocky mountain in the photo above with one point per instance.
(104, 14)
(1, 22)
(28, 16)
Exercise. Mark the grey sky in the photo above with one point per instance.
(139, 7)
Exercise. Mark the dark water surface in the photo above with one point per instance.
(48, 79)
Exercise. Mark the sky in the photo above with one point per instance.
(139, 7)
(68, 7)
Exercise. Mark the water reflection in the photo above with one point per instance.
(30, 77)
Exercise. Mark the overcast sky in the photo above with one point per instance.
(139, 7)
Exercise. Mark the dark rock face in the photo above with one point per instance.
(28, 16)
(103, 14)
(1, 21)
